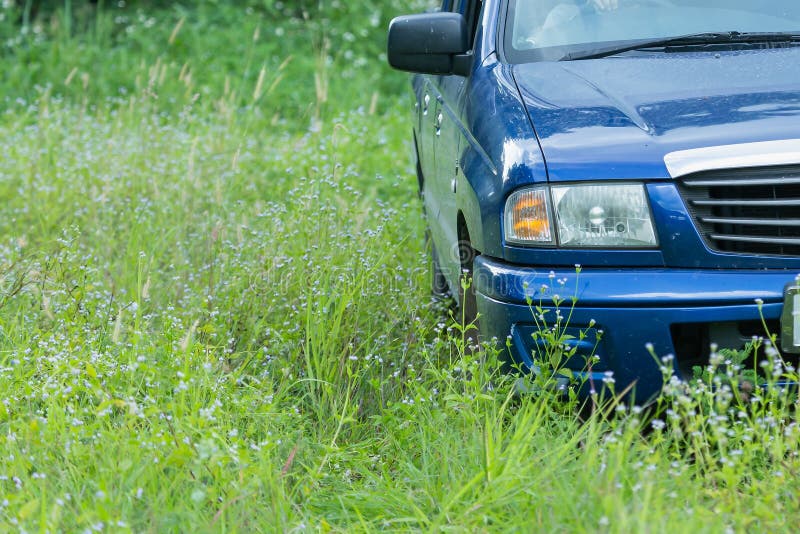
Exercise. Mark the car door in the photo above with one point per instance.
(429, 103)
(448, 142)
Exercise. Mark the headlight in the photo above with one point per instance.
(605, 215)
(615, 215)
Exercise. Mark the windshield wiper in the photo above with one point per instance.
(684, 40)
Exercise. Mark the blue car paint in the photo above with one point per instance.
(616, 118)
(481, 137)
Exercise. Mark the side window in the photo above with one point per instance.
(447, 5)
(471, 9)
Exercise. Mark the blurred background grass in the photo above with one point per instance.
(301, 59)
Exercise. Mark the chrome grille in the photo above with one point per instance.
(746, 211)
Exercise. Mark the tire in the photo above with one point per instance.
(439, 288)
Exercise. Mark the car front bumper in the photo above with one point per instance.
(643, 315)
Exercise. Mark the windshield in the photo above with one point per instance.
(556, 29)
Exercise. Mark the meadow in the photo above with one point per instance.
(215, 311)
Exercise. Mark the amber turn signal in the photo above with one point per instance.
(527, 217)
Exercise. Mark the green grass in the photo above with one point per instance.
(214, 312)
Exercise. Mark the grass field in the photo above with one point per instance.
(215, 314)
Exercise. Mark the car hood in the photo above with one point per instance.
(617, 117)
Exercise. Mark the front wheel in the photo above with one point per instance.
(439, 287)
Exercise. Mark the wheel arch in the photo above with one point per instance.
(469, 218)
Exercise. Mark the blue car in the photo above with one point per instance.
(641, 156)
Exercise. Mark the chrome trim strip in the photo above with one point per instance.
(765, 202)
(740, 182)
(760, 154)
(751, 222)
(757, 239)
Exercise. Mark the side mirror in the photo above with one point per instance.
(431, 43)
